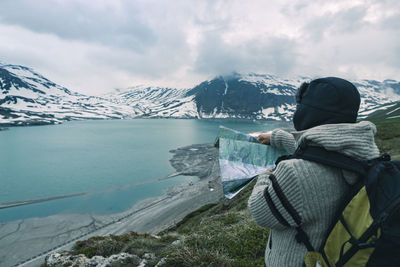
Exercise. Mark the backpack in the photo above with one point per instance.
(366, 228)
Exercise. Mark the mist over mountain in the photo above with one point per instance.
(28, 98)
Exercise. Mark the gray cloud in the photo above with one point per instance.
(274, 55)
(391, 22)
(93, 46)
(81, 20)
(343, 22)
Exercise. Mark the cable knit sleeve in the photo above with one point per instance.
(287, 180)
(283, 140)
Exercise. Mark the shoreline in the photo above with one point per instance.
(8, 125)
(26, 242)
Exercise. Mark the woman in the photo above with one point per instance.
(325, 116)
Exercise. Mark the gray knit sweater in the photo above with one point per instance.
(313, 189)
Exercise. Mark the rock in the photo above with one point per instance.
(176, 242)
(155, 236)
(52, 258)
(143, 263)
(162, 262)
(95, 261)
(194, 160)
(149, 256)
(64, 259)
(122, 258)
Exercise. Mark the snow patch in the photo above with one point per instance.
(390, 112)
(393, 117)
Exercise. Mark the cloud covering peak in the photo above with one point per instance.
(95, 46)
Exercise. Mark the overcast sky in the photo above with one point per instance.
(96, 46)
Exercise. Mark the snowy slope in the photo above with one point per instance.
(374, 94)
(27, 98)
(386, 111)
(156, 102)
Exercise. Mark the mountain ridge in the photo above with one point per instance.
(28, 98)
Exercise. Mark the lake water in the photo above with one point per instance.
(108, 158)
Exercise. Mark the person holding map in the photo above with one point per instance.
(325, 116)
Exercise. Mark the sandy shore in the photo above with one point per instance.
(27, 242)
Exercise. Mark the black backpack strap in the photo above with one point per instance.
(331, 158)
(283, 199)
(274, 209)
(301, 236)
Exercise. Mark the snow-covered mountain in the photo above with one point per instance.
(251, 96)
(156, 102)
(376, 95)
(28, 98)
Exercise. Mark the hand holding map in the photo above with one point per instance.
(241, 159)
(265, 138)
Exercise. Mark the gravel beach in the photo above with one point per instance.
(27, 242)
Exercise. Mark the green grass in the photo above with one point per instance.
(222, 235)
(388, 136)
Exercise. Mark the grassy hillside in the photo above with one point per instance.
(221, 234)
(388, 111)
(388, 136)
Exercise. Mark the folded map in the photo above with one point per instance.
(241, 159)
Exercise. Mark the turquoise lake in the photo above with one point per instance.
(108, 158)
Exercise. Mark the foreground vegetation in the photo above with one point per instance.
(220, 234)
(388, 136)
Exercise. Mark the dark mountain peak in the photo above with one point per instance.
(242, 96)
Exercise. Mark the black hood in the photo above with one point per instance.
(326, 101)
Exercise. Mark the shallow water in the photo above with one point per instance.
(117, 161)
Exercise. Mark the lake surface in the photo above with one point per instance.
(117, 161)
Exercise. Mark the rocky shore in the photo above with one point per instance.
(27, 242)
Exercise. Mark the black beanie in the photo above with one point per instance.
(326, 101)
